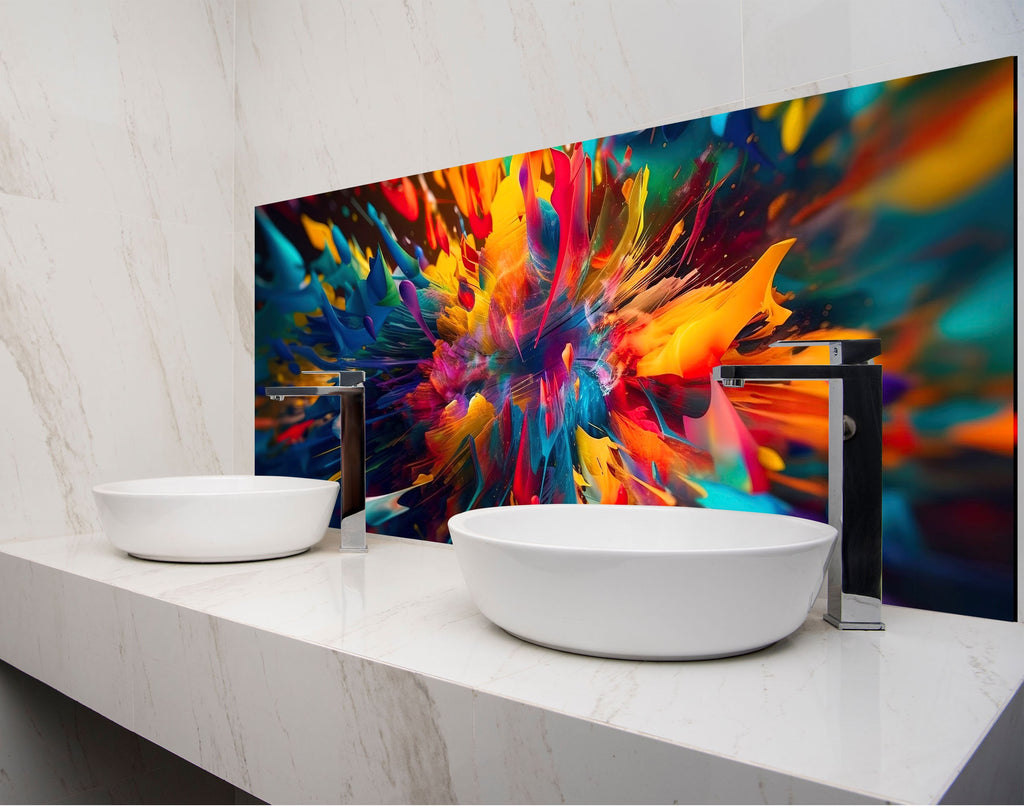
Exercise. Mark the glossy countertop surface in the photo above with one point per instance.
(892, 715)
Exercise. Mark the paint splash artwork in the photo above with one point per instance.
(541, 328)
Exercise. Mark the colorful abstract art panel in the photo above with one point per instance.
(541, 327)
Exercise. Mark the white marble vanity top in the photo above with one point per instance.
(269, 647)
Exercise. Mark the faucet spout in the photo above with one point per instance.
(352, 399)
(854, 469)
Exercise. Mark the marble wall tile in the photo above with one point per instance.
(325, 92)
(514, 76)
(243, 339)
(795, 44)
(335, 95)
(115, 334)
(120, 106)
(116, 139)
(900, 67)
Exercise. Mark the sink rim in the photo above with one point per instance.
(817, 531)
(273, 484)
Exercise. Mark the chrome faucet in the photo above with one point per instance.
(854, 469)
(351, 395)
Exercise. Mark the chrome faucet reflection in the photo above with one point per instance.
(854, 469)
(351, 395)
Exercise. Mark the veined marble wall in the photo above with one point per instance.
(116, 139)
(333, 95)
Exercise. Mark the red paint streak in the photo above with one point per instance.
(401, 194)
(295, 433)
(522, 479)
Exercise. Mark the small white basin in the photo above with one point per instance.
(210, 519)
(642, 582)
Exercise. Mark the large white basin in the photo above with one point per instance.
(210, 519)
(639, 582)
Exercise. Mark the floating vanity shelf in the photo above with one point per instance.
(371, 678)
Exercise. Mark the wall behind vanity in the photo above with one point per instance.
(133, 159)
(337, 96)
(115, 238)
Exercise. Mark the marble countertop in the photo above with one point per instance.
(822, 715)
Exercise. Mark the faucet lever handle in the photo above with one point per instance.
(841, 351)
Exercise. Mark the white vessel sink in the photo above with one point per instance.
(210, 519)
(640, 582)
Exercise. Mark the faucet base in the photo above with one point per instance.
(350, 540)
(353, 532)
(854, 625)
